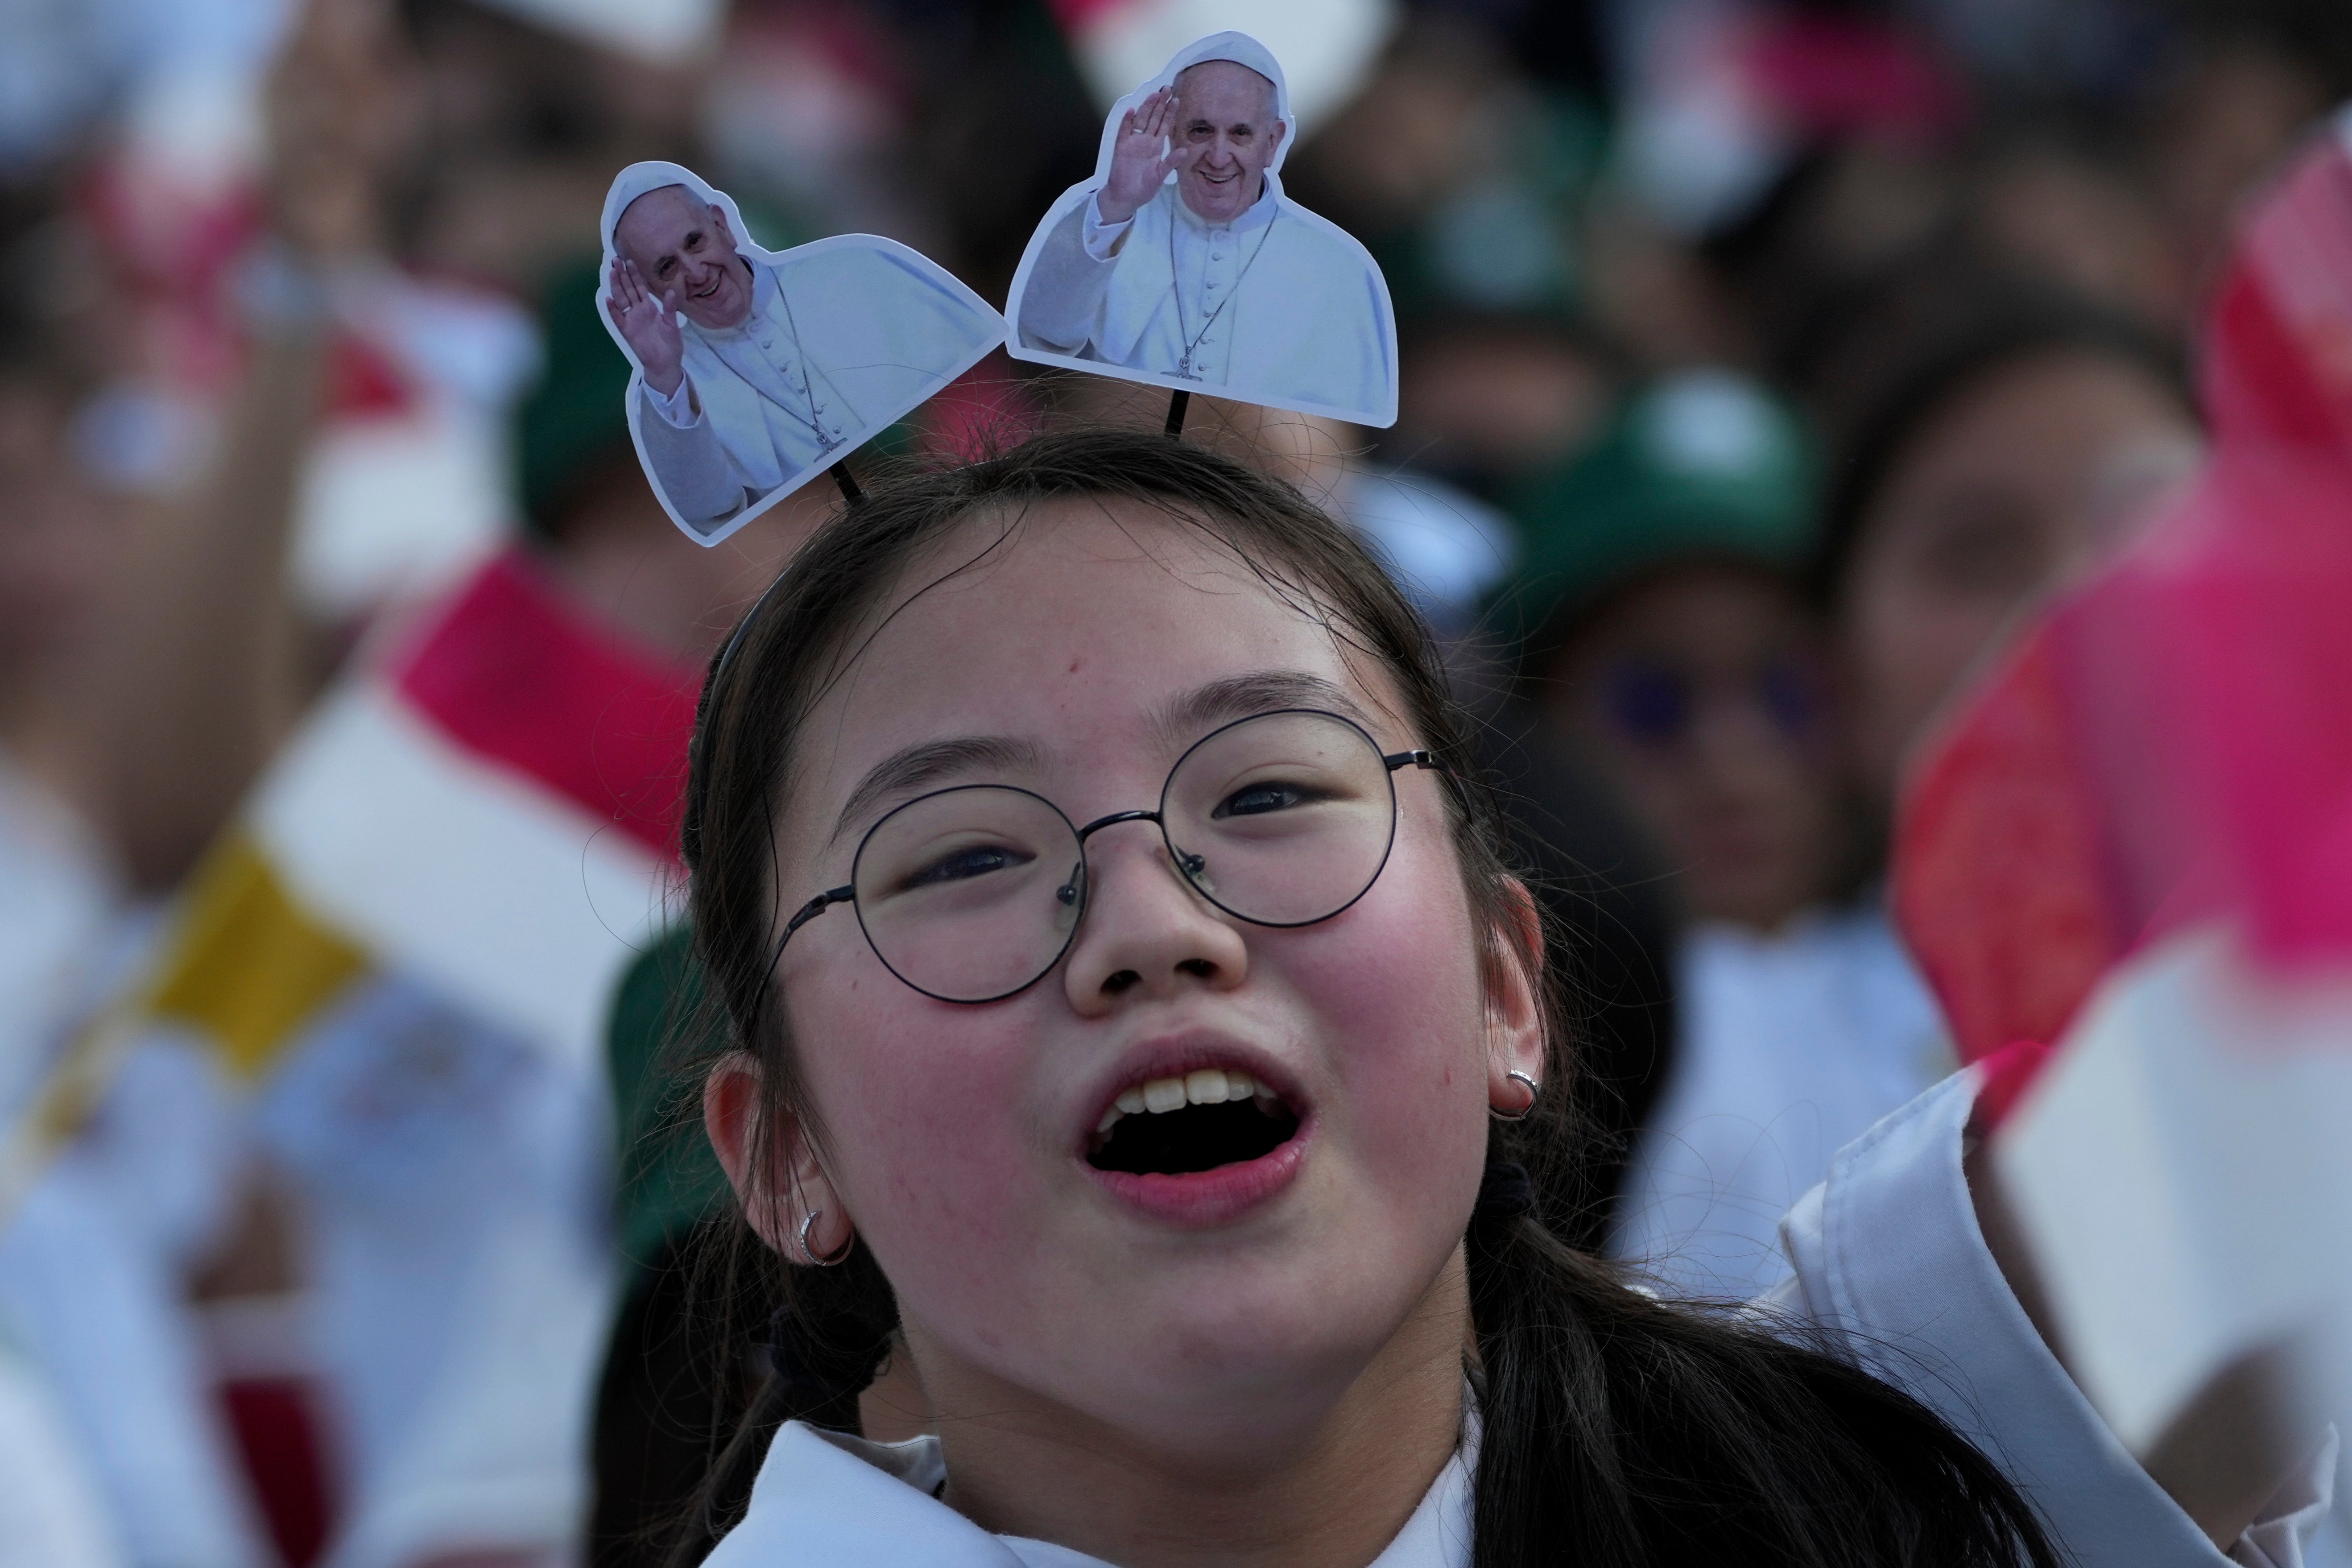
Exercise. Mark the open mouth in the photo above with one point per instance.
(1181, 1126)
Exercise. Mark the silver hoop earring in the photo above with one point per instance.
(1535, 1091)
(809, 1257)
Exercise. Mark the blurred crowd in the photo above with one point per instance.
(1763, 362)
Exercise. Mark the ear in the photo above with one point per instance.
(1274, 138)
(773, 1170)
(1514, 1012)
(719, 216)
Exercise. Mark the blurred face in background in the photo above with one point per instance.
(1489, 403)
(2027, 474)
(1225, 112)
(621, 554)
(684, 250)
(1701, 694)
(58, 534)
(522, 128)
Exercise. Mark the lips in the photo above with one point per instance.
(1198, 1133)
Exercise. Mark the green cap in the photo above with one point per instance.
(578, 413)
(1704, 465)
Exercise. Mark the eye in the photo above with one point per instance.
(964, 863)
(1265, 796)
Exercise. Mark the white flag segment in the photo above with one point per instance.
(463, 874)
(1327, 47)
(2182, 1174)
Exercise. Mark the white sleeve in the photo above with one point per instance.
(688, 463)
(676, 407)
(50, 1514)
(1887, 1255)
(98, 1308)
(1061, 303)
(1101, 239)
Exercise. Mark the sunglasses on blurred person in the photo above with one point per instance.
(1658, 705)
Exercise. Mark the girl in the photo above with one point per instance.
(1131, 1016)
(1996, 441)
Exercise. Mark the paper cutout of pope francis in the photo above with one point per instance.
(757, 370)
(1182, 264)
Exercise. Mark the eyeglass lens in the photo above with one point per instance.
(972, 893)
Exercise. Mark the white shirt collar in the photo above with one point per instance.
(1260, 212)
(824, 1496)
(1437, 1536)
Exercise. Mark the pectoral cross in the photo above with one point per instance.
(1184, 369)
(827, 438)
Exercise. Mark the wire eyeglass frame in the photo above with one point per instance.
(1189, 865)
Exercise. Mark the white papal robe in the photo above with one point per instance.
(1280, 306)
(843, 338)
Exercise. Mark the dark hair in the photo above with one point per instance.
(1616, 1428)
(1922, 339)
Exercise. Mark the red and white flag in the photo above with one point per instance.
(424, 909)
(2134, 846)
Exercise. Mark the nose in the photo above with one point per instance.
(1147, 934)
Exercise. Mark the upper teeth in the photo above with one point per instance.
(1209, 1086)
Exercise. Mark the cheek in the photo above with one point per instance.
(1925, 648)
(1394, 985)
(919, 1106)
(1913, 639)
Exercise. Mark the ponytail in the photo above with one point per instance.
(826, 1346)
(1619, 1430)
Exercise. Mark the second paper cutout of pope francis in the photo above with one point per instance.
(759, 369)
(1182, 264)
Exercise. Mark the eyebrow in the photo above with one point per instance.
(1186, 718)
(931, 762)
(1180, 721)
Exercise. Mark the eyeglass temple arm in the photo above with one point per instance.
(814, 908)
(1415, 759)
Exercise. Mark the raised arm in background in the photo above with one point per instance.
(195, 677)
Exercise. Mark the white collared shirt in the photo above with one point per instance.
(824, 1496)
(1209, 262)
(1790, 1045)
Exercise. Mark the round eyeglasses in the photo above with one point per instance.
(973, 893)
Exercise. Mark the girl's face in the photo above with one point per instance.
(1702, 696)
(1197, 1311)
(2032, 474)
